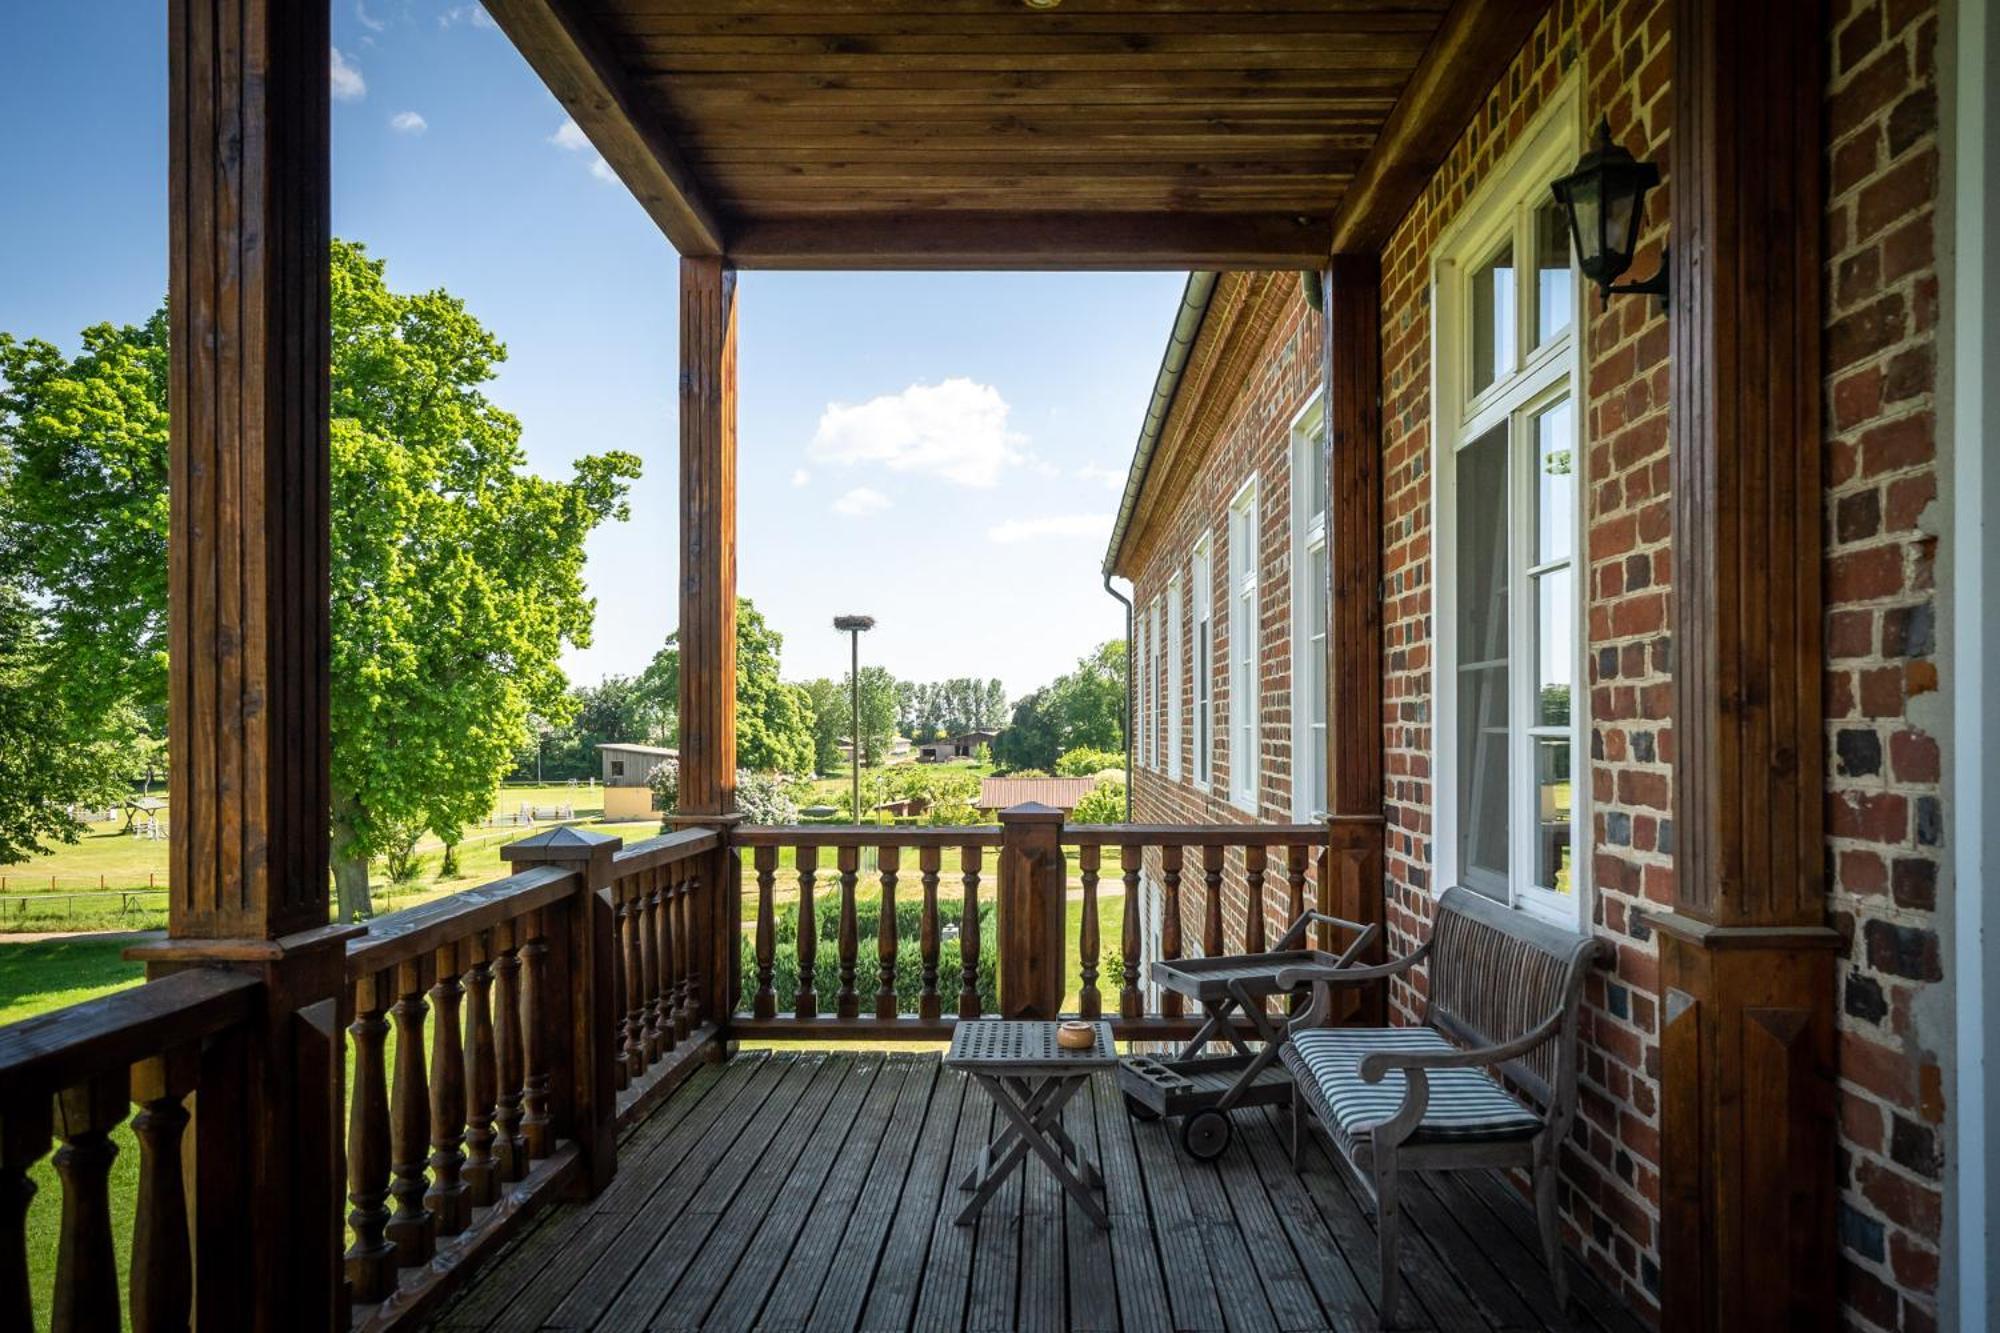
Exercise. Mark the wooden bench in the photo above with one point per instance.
(1504, 994)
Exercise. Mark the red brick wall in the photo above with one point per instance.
(1883, 702)
(1611, 1167)
(1884, 709)
(1255, 436)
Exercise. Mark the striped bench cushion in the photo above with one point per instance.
(1465, 1104)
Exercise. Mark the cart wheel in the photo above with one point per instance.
(1205, 1135)
(1138, 1110)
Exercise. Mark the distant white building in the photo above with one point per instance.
(626, 795)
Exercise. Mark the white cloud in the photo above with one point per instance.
(860, 502)
(475, 15)
(570, 137)
(602, 170)
(368, 20)
(956, 430)
(801, 477)
(1109, 478)
(1052, 525)
(345, 81)
(408, 122)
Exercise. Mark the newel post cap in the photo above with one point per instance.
(562, 844)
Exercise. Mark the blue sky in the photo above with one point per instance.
(942, 451)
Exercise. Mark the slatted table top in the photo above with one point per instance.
(1023, 1046)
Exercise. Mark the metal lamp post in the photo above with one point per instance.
(854, 627)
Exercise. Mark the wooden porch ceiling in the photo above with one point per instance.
(984, 133)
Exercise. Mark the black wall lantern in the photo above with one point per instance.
(1605, 198)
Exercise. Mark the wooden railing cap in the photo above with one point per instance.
(1031, 812)
(561, 843)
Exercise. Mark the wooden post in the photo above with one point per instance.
(1748, 1174)
(1032, 951)
(708, 617)
(579, 1010)
(1352, 361)
(248, 613)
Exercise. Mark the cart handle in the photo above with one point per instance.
(1297, 931)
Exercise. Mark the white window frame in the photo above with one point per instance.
(1155, 669)
(1503, 207)
(1202, 656)
(1136, 660)
(1173, 650)
(1309, 534)
(1245, 729)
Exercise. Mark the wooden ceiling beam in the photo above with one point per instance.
(1469, 54)
(1013, 240)
(565, 45)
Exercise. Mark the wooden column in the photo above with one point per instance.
(1032, 873)
(1746, 956)
(708, 614)
(248, 690)
(1351, 872)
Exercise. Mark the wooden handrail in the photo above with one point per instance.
(417, 931)
(664, 850)
(865, 835)
(44, 1054)
(1191, 835)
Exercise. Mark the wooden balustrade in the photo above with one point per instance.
(70, 1078)
(499, 1036)
(1214, 886)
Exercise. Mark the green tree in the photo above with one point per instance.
(1102, 804)
(827, 701)
(878, 712)
(774, 720)
(456, 575)
(615, 709)
(1083, 709)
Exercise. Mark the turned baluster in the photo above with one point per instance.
(673, 1024)
(929, 1004)
(482, 1168)
(1170, 919)
(410, 1228)
(25, 1136)
(1295, 881)
(969, 859)
(371, 1259)
(537, 1130)
(808, 1001)
(510, 1150)
(1089, 1003)
(630, 923)
(1255, 856)
(86, 1264)
(1211, 905)
(449, 1198)
(162, 1287)
(765, 1003)
(1130, 947)
(688, 1012)
(846, 1003)
(650, 892)
(886, 862)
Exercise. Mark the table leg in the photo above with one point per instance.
(1032, 1127)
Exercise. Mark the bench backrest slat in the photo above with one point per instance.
(1496, 973)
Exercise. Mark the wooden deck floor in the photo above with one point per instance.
(808, 1191)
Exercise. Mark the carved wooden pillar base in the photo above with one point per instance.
(1748, 1122)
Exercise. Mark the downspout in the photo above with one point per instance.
(1131, 722)
(1166, 386)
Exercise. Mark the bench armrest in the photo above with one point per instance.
(1324, 979)
(1376, 1064)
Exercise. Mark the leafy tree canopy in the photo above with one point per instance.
(456, 575)
(827, 699)
(774, 720)
(950, 707)
(1083, 709)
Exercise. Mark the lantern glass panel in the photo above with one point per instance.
(1585, 207)
(1493, 320)
(1554, 291)
(1621, 225)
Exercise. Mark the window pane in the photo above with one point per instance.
(1317, 576)
(1555, 637)
(1555, 482)
(1552, 795)
(1312, 462)
(1554, 291)
(1482, 654)
(1493, 318)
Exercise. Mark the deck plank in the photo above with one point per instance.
(816, 1192)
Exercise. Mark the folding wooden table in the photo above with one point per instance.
(1030, 1078)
